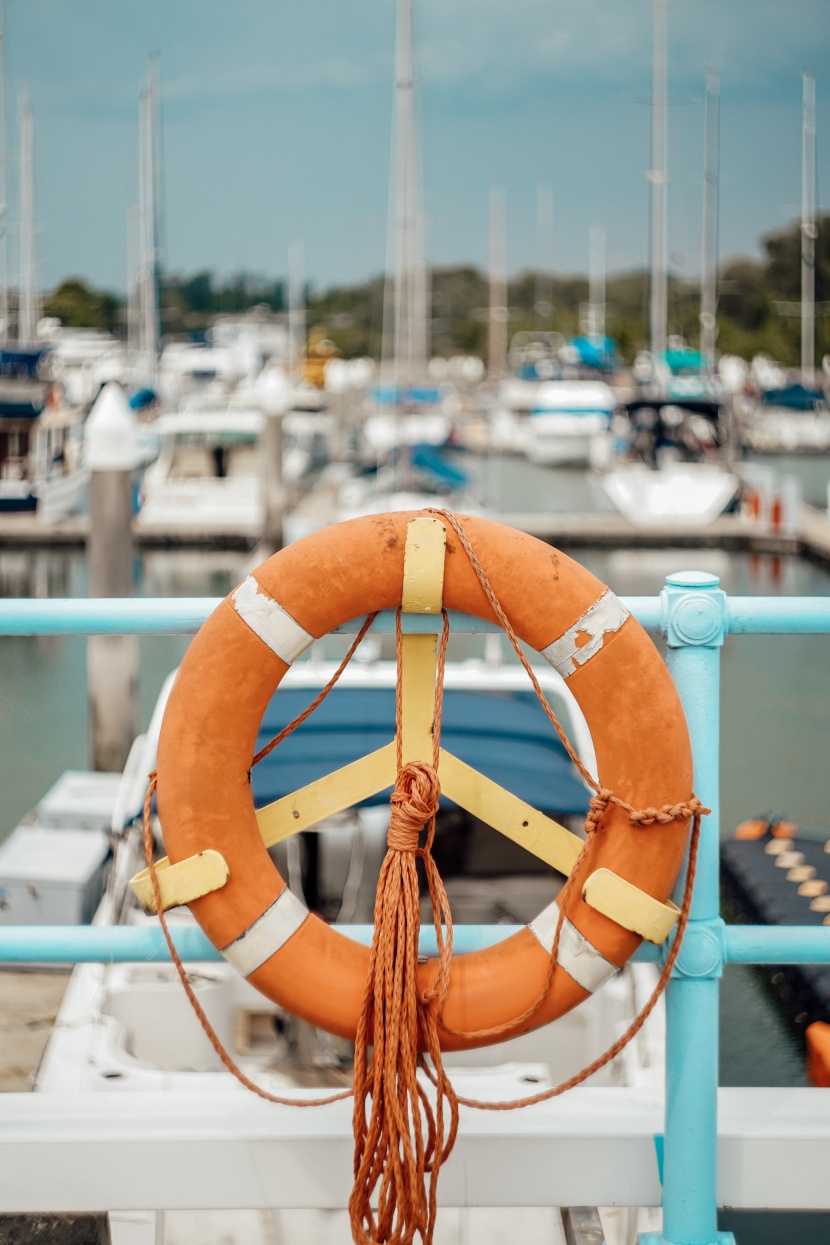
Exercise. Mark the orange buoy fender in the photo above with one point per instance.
(818, 1053)
(236, 662)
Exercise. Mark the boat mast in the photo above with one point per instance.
(296, 312)
(408, 332)
(29, 300)
(148, 222)
(4, 255)
(497, 318)
(711, 190)
(596, 284)
(658, 301)
(808, 230)
(543, 306)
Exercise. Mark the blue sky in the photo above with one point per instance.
(277, 121)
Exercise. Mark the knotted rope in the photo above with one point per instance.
(401, 1136)
(401, 1139)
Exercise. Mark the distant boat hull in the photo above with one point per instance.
(560, 440)
(16, 496)
(779, 431)
(682, 495)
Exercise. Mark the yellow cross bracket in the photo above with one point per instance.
(370, 775)
(180, 883)
(422, 593)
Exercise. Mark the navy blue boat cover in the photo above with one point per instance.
(506, 735)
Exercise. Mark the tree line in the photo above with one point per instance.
(758, 304)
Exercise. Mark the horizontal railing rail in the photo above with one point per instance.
(185, 615)
(85, 944)
(694, 617)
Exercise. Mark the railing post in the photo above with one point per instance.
(695, 624)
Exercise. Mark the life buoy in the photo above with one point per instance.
(237, 661)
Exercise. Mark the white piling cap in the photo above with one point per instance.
(273, 391)
(111, 433)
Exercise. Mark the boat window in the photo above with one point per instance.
(192, 460)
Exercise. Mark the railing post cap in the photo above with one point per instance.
(692, 579)
(694, 610)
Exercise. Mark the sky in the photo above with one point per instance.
(277, 127)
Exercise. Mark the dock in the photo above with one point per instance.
(736, 533)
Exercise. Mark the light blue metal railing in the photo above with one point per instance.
(695, 617)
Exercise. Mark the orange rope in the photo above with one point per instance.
(149, 850)
(318, 699)
(401, 1139)
(210, 1032)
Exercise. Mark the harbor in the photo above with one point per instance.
(414, 607)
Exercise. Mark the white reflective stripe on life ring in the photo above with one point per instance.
(266, 934)
(606, 615)
(267, 619)
(579, 958)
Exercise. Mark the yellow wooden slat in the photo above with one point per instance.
(418, 665)
(180, 883)
(506, 813)
(332, 794)
(630, 907)
(423, 566)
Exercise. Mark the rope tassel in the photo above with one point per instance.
(401, 1138)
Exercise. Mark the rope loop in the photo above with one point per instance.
(668, 812)
(596, 809)
(414, 802)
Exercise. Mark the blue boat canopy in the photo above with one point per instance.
(394, 395)
(141, 399)
(431, 459)
(795, 397)
(506, 735)
(683, 360)
(599, 352)
(23, 362)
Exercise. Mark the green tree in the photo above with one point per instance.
(77, 306)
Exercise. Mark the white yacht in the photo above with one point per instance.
(566, 420)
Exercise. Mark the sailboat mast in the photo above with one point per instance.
(711, 190)
(657, 176)
(543, 304)
(596, 284)
(409, 302)
(29, 301)
(808, 230)
(296, 311)
(497, 318)
(149, 252)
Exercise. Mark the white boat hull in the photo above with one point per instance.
(61, 496)
(682, 495)
(562, 440)
(780, 431)
(227, 505)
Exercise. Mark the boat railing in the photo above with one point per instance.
(696, 1148)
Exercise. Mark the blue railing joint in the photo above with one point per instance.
(703, 953)
(694, 610)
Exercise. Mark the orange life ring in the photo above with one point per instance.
(236, 662)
